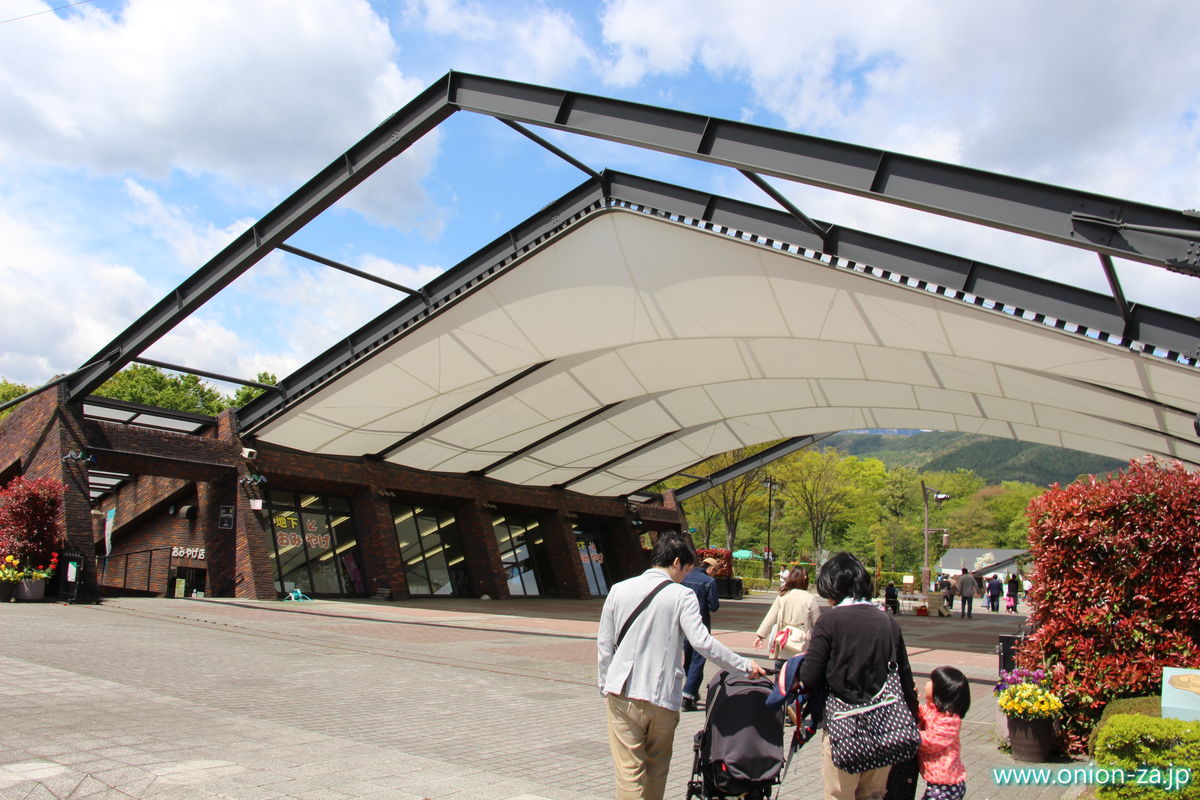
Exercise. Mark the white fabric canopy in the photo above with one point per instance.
(662, 344)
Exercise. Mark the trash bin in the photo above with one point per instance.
(730, 588)
(76, 587)
(71, 573)
(1007, 648)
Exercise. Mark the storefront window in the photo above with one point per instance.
(314, 545)
(592, 557)
(520, 542)
(431, 549)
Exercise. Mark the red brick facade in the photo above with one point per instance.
(185, 482)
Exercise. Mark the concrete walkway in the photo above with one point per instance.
(446, 700)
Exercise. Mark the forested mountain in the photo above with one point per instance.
(994, 460)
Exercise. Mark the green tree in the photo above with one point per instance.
(728, 500)
(993, 517)
(818, 487)
(245, 394)
(140, 383)
(10, 391)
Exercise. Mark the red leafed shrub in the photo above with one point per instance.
(29, 519)
(1116, 587)
(724, 568)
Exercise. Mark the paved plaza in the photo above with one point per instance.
(441, 699)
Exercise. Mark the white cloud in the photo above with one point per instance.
(193, 242)
(532, 42)
(59, 306)
(1039, 90)
(303, 308)
(1093, 101)
(258, 93)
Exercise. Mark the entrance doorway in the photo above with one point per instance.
(187, 582)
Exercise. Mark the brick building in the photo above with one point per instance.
(188, 512)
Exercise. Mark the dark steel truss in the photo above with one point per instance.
(756, 461)
(1108, 226)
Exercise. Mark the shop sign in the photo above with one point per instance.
(225, 518)
(188, 552)
(315, 541)
(586, 554)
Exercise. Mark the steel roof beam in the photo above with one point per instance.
(350, 169)
(216, 376)
(756, 461)
(358, 273)
(1138, 231)
(558, 151)
(1114, 283)
(501, 253)
(1163, 237)
(820, 230)
(1163, 329)
(460, 410)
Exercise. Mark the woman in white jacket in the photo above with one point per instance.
(795, 609)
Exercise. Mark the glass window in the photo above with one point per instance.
(431, 549)
(314, 551)
(518, 539)
(319, 543)
(593, 563)
(346, 554)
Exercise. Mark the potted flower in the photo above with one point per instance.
(10, 576)
(1031, 709)
(33, 581)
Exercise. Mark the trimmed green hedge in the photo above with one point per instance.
(1149, 748)
(1148, 706)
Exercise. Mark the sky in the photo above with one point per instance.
(139, 137)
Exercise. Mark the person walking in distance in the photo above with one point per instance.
(967, 589)
(1014, 593)
(700, 581)
(794, 610)
(994, 589)
(639, 649)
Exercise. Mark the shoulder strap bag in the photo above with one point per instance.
(637, 611)
(875, 734)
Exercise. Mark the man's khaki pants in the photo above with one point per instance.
(869, 785)
(640, 735)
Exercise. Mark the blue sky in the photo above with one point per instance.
(138, 137)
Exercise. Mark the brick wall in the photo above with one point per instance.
(33, 440)
(178, 469)
(141, 556)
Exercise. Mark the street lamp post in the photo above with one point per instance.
(769, 561)
(938, 498)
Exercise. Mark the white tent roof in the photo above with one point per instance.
(631, 346)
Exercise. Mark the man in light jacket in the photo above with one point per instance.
(641, 676)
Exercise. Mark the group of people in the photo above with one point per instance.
(848, 651)
(966, 586)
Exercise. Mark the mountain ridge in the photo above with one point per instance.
(994, 460)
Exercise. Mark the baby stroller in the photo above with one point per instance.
(739, 751)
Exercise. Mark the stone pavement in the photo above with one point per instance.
(446, 699)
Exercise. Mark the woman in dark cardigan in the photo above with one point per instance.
(848, 656)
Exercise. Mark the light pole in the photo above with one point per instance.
(769, 562)
(938, 498)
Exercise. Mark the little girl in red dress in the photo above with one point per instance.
(947, 699)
